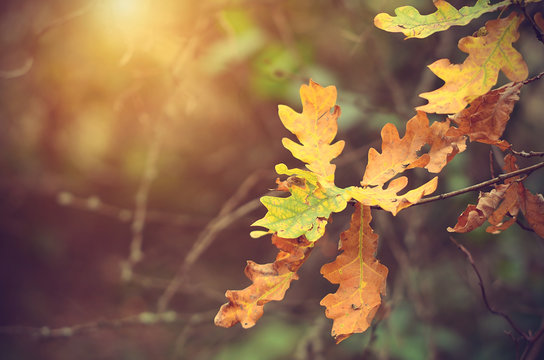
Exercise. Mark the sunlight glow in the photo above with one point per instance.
(129, 10)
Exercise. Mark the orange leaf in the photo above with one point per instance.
(270, 282)
(492, 206)
(388, 199)
(360, 275)
(399, 154)
(486, 118)
(479, 72)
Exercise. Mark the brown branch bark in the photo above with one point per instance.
(481, 185)
(484, 294)
(144, 318)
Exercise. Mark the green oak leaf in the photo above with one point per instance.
(414, 25)
(305, 211)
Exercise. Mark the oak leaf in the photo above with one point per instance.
(414, 25)
(361, 277)
(269, 283)
(505, 199)
(388, 198)
(305, 211)
(486, 118)
(315, 128)
(488, 54)
(532, 207)
(492, 206)
(400, 154)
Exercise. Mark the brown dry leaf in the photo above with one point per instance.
(361, 277)
(532, 207)
(270, 282)
(487, 55)
(486, 118)
(444, 146)
(492, 206)
(505, 199)
(539, 20)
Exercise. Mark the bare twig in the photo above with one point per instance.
(534, 78)
(528, 154)
(481, 185)
(184, 335)
(144, 318)
(140, 206)
(310, 346)
(484, 294)
(227, 215)
(491, 160)
(187, 288)
(96, 205)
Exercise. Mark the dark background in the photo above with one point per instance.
(106, 104)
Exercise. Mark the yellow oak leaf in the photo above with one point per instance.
(387, 198)
(488, 54)
(361, 277)
(315, 128)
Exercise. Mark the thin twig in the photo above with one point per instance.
(534, 78)
(484, 294)
(527, 154)
(187, 288)
(144, 318)
(96, 205)
(140, 205)
(481, 185)
(227, 215)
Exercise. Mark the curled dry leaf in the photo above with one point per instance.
(269, 283)
(487, 55)
(361, 277)
(532, 207)
(486, 117)
(492, 206)
(505, 199)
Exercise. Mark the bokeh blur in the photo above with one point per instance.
(132, 130)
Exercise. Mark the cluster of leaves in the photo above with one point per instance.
(296, 222)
